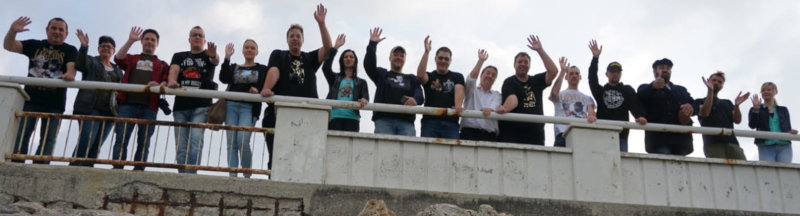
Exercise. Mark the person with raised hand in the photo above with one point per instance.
(522, 93)
(144, 69)
(721, 113)
(345, 86)
(294, 72)
(481, 97)
(570, 102)
(247, 77)
(49, 58)
(392, 87)
(95, 102)
(444, 89)
(767, 115)
(614, 99)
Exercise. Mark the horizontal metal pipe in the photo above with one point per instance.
(238, 96)
(133, 163)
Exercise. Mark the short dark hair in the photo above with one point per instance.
(490, 66)
(294, 26)
(664, 61)
(444, 49)
(106, 39)
(718, 73)
(520, 54)
(57, 19)
(151, 31)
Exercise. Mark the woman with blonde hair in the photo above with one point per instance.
(768, 116)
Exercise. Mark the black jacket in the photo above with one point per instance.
(93, 70)
(335, 79)
(759, 120)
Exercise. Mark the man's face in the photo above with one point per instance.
(106, 50)
(614, 76)
(249, 50)
(717, 82)
(664, 70)
(197, 38)
(522, 64)
(149, 43)
(397, 59)
(295, 39)
(443, 61)
(573, 76)
(488, 76)
(56, 32)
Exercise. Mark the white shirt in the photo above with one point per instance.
(476, 99)
(571, 103)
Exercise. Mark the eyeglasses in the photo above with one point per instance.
(442, 58)
(196, 35)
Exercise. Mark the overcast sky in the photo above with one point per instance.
(752, 41)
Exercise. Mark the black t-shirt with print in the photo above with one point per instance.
(529, 101)
(196, 71)
(298, 74)
(47, 61)
(440, 91)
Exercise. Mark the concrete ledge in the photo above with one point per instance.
(302, 105)
(708, 160)
(591, 126)
(456, 142)
(17, 87)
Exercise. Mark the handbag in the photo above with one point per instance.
(216, 112)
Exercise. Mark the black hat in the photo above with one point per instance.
(398, 49)
(664, 61)
(614, 66)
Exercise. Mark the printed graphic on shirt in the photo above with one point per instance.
(445, 87)
(346, 91)
(191, 73)
(47, 63)
(529, 101)
(297, 73)
(613, 99)
(573, 105)
(398, 82)
(245, 76)
(144, 65)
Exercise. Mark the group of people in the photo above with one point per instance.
(292, 72)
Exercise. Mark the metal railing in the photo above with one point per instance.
(161, 144)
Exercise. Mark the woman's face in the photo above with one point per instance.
(349, 59)
(249, 50)
(768, 92)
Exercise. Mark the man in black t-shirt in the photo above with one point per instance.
(51, 58)
(294, 72)
(443, 88)
(522, 93)
(716, 112)
(192, 69)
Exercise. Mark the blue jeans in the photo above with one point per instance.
(92, 136)
(48, 132)
(123, 131)
(775, 153)
(394, 126)
(239, 114)
(623, 144)
(189, 142)
(560, 141)
(439, 129)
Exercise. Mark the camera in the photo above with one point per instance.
(164, 106)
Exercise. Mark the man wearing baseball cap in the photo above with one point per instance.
(666, 103)
(614, 99)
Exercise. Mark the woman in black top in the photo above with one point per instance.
(345, 86)
(247, 77)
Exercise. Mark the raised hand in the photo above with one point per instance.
(483, 55)
(19, 25)
(708, 83)
(756, 101)
(427, 43)
(136, 33)
(564, 63)
(659, 83)
(741, 98)
(375, 35)
(340, 41)
(534, 43)
(211, 51)
(595, 50)
(319, 15)
(83, 37)
(229, 51)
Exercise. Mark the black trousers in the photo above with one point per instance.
(478, 134)
(343, 124)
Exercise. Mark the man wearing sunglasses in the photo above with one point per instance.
(443, 88)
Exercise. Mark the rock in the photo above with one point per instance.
(35, 208)
(453, 210)
(376, 208)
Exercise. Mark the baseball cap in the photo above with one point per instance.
(614, 66)
(664, 61)
(398, 49)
